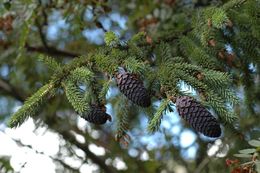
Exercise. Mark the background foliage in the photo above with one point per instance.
(58, 57)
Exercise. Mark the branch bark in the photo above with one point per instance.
(8, 89)
(51, 51)
(69, 137)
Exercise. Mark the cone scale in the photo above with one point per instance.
(197, 116)
(133, 89)
(96, 115)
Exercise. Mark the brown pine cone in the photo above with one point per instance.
(133, 89)
(198, 116)
(96, 115)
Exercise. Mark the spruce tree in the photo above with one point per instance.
(210, 47)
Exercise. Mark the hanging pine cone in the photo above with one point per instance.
(96, 115)
(198, 116)
(133, 89)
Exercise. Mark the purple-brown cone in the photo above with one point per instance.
(96, 115)
(133, 89)
(198, 116)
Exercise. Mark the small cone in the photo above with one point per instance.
(96, 116)
(133, 89)
(198, 116)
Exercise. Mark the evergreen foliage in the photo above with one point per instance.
(122, 121)
(81, 75)
(50, 62)
(201, 71)
(211, 47)
(32, 105)
(75, 97)
(111, 39)
(156, 120)
(104, 90)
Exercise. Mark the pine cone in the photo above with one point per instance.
(133, 89)
(198, 116)
(96, 115)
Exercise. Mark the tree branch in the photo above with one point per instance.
(74, 170)
(159, 40)
(42, 35)
(67, 136)
(9, 90)
(201, 166)
(51, 51)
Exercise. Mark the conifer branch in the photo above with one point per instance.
(219, 106)
(8, 89)
(215, 78)
(32, 105)
(51, 51)
(81, 74)
(163, 52)
(219, 18)
(233, 3)
(197, 54)
(104, 90)
(50, 62)
(155, 122)
(122, 107)
(192, 81)
(106, 63)
(173, 70)
(75, 96)
(218, 41)
(41, 33)
(69, 68)
(134, 65)
(68, 136)
(122, 127)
